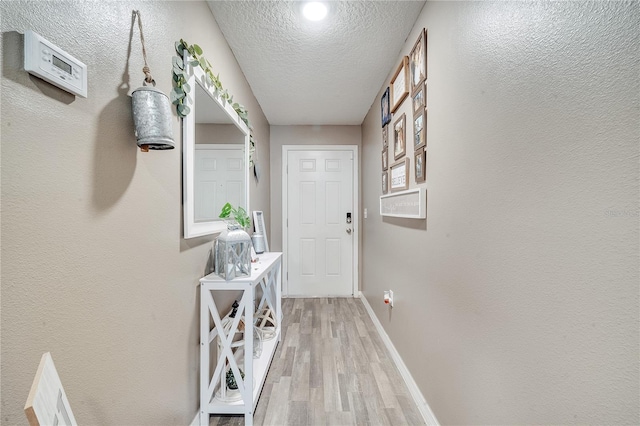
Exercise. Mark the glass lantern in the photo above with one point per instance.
(233, 253)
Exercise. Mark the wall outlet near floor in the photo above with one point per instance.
(388, 297)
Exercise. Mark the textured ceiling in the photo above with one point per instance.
(326, 72)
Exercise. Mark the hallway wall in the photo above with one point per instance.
(516, 301)
(94, 266)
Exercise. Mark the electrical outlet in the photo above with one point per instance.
(388, 297)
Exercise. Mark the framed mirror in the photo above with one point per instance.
(215, 156)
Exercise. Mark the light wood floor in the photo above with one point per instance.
(331, 368)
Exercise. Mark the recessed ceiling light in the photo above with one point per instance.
(314, 11)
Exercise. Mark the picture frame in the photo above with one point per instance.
(385, 158)
(408, 204)
(420, 165)
(399, 137)
(418, 62)
(47, 402)
(385, 136)
(399, 175)
(384, 108)
(420, 129)
(399, 87)
(419, 98)
(385, 182)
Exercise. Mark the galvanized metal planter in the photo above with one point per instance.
(258, 242)
(152, 119)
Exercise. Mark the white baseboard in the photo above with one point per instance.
(421, 402)
(196, 419)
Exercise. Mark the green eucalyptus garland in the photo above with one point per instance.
(181, 88)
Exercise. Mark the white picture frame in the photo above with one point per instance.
(409, 204)
(47, 403)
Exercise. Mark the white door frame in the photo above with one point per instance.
(355, 214)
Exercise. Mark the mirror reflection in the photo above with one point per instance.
(215, 156)
(219, 169)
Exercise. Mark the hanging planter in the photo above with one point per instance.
(152, 119)
(151, 109)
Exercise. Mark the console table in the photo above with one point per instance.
(265, 275)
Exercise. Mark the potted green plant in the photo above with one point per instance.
(239, 215)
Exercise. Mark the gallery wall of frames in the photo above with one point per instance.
(399, 132)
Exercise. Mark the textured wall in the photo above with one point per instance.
(299, 135)
(94, 266)
(516, 302)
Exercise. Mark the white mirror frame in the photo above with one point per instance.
(196, 74)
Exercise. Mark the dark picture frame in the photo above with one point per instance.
(418, 61)
(399, 87)
(384, 108)
(420, 165)
(399, 137)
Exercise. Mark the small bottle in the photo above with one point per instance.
(258, 242)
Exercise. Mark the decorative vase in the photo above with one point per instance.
(233, 253)
(258, 242)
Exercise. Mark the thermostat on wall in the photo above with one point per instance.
(49, 62)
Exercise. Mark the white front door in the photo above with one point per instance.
(219, 178)
(319, 222)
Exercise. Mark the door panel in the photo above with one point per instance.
(319, 248)
(219, 178)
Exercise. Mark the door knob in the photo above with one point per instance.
(349, 231)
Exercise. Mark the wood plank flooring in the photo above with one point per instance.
(331, 368)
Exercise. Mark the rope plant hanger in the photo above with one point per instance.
(151, 107)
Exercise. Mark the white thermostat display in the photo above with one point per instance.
(49, 62)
